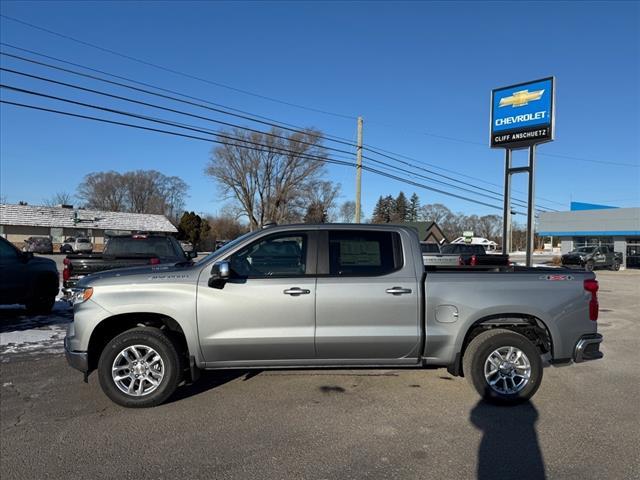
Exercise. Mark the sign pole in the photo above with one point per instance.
(506, 214)
(530, 205)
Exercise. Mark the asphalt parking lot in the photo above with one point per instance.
(582, 424)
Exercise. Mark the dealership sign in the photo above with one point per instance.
(522, 115)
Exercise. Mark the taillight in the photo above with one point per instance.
(460, 260)
(591, 286)
(474, 260)
(66, 272)
(154, 261)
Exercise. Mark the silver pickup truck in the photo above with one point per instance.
(328, 296)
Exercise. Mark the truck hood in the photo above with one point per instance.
(147, 273)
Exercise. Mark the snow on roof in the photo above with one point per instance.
(57, 217)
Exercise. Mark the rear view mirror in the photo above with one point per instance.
(219, 274)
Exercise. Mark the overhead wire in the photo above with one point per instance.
(302, 156)
(228, 123)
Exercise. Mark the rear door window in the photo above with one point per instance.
(362, 253)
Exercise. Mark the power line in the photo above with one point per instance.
(278, 124)
(303, 156)
(160, 107)
(217, 107)
(205, 131)
(176, 72)
(378, 150)
(495, 195)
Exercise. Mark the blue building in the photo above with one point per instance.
(590, 224)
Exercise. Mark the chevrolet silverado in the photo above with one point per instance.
(328, 296)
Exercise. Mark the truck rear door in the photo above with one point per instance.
(367, 297)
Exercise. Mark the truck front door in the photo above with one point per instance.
(266, 310)
(367, 300)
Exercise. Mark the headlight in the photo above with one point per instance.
(80, 295)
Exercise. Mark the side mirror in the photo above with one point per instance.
(192, 254)
(219, 274)
(26, 256)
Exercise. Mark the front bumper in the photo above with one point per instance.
(77, 360)
(588, 348)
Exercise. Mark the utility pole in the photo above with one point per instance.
(358, 170)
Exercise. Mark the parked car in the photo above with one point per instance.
(76, 245)
(461, 254)
(328, 295)
(591, 258)
(27, 280)
(121, 252)
(38, 245)
(187, 246)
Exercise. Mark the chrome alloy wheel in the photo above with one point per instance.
(137, 370)
(507, 370)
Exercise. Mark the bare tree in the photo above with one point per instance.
(140, 191)
(348, 211)
(266, 174)
(60, 198)
(319, 202)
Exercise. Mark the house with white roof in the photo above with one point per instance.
(19, 222)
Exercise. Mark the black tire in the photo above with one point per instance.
(40, 306)
(477, 354)
(589, 266)
(148, 337)
(615, 267)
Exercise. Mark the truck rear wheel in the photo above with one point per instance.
(503, 366)
(616, 266)
(139, 368)
(589, 266)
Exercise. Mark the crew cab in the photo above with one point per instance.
(121, 252)
(328, 296)
(590, 258)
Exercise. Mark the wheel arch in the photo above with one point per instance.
(112, 326)
(531, 326)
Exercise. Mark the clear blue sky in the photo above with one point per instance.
(414, 71)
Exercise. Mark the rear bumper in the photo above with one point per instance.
(77, 360)
(588, 348)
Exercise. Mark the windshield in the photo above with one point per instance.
(228, 246)
(161, 247)
(585, 249)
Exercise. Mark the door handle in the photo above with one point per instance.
(295, 291)
(397, 290)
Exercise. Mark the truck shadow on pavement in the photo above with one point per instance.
(509, 446)
(209, 380)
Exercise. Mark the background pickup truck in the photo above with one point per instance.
(592, 257)
(460, 254)
(27, 280)
(328, 296)
(122, 252)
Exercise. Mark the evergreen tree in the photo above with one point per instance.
(414, 206)
(399, 208)
(193, 228)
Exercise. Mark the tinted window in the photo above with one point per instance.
(83, 240)
(277, 255)
(429, 248)
(161, 247)
(364, 253)
(463, 248)
(7, 251)
(604, 249)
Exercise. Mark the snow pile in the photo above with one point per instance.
(22, 333)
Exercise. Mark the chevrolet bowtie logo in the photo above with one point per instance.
(521, 98)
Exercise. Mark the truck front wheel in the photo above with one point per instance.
(503, 366)
(139, 368)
